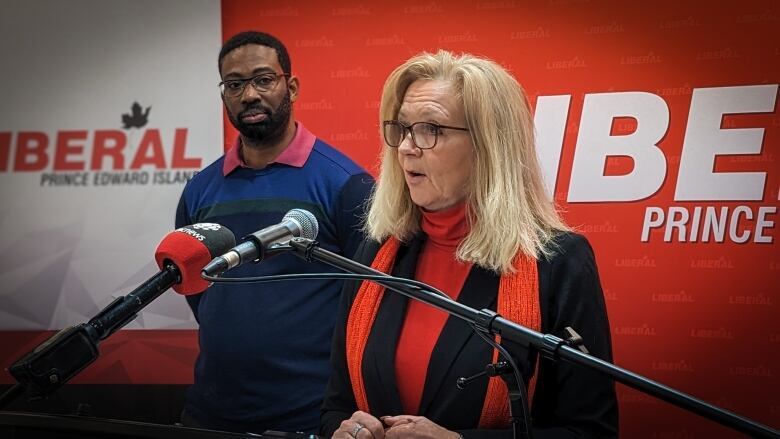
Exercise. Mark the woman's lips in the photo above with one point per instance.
(414, 177)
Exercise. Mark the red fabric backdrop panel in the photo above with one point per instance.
(699, 315)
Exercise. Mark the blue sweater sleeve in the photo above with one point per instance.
(183, 219)
(182, 216)
(350, 215)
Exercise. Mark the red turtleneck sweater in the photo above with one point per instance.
(423, 324)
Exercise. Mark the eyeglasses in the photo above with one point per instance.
(424, 134)
(263, 83)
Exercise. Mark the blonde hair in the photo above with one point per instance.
(508, 209)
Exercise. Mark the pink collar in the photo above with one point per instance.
(296, 153)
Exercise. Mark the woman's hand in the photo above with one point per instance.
(418, 427)
(360, 426)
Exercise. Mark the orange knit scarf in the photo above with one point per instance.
(518, 301)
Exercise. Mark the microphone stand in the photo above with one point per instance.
(66, 353)
(548, 345)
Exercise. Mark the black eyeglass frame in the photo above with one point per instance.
(223, 85)
(410, 130)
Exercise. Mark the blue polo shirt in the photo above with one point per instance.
(264, 348)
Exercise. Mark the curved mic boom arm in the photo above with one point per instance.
(548, 345)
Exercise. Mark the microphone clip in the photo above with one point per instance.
(575, 340)
(274, 249)
(304, 248)
(491, 370)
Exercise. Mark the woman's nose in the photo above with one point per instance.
(407, 145)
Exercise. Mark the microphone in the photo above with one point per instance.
(297, 223)
(189, 249)
(180, 256)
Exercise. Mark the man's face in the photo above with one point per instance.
(261, 117)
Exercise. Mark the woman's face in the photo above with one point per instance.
(437, 178)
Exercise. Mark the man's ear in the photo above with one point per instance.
(292, 85)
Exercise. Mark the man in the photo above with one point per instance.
(264, 348)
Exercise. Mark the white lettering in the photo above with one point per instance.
(595, 144)
(681, 224)
(550, 119)
(654, 217)
(704, 140)
(678, 223)
(763, 223)
(714, 224)
(735, 222)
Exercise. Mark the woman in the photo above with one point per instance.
(461, 206)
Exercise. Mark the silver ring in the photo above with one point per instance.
(358, 427)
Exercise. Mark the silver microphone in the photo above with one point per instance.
(297, 223)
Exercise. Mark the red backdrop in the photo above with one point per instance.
(698, 316)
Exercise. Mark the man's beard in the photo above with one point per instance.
(271, 129)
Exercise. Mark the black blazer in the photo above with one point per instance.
(569, 401)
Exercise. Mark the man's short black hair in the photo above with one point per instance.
(261, 38)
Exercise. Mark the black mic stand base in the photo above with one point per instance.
(11, 394)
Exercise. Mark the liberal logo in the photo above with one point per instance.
(102, 157)
(136, 119)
